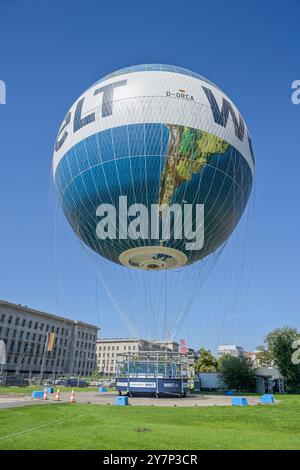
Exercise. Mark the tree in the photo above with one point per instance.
(95, 375)
(278, 344)
(206, 362)
(237, 372)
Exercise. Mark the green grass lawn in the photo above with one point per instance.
(83, 426)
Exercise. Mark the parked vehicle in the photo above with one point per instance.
(94, 383)
(76, 383)
(15, 381)
(60, 382)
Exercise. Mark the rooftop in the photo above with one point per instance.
(25, 309)
(123, 340)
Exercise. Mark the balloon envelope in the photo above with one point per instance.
(154, 167)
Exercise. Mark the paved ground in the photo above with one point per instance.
(108, 398)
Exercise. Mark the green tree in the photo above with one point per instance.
(278, 344)
(95, 375)
(237, 372)
(206, 362)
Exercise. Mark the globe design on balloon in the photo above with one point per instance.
(150, 138)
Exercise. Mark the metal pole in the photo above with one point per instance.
(157, 374)
(128, 370)
(43, 360)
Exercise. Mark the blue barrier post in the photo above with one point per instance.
(267, 398)
(239, 401)
(37, 394)
(102, 389)
(121, 401)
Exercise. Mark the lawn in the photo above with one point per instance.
(84, 426)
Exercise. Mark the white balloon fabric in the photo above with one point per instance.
(154, 166)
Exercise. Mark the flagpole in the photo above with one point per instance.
(43, 360)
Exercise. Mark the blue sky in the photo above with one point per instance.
(51, 51)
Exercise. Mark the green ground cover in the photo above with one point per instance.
(85, 426)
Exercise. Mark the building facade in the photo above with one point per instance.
(37, 342)
(193, 357)
(254, 357)
(107, 350)
(231, 349)
(169, 345)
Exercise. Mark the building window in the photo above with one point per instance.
(23, 322)
(2, 317)
(36, 325)
(9, 319)
(17, 321)
(30, 324)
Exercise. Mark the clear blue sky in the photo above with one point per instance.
(51, 51)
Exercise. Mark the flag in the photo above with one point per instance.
(50, 342)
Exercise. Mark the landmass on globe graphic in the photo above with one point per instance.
(189, 151)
